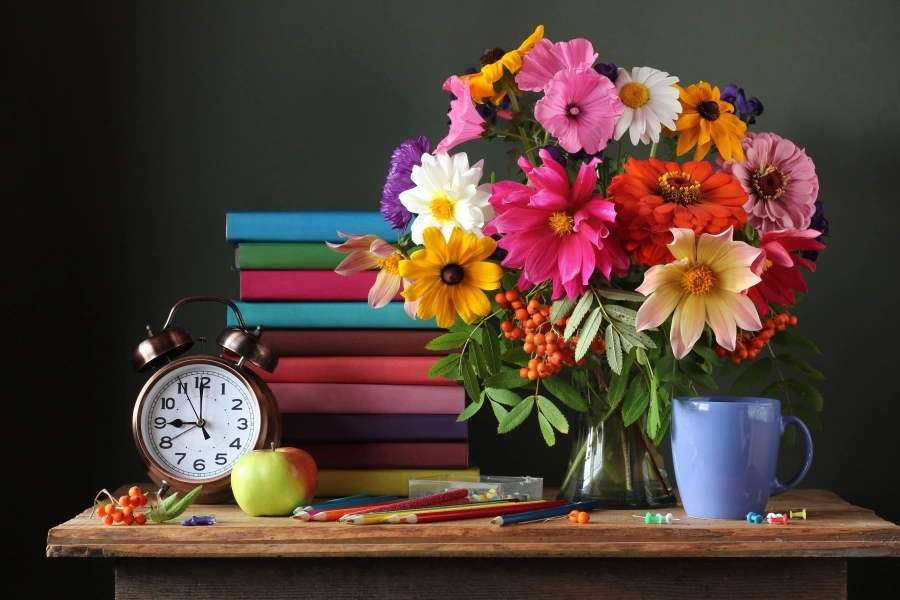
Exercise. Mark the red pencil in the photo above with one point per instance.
(472, 513)
(450, 497)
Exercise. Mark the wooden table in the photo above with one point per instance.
(614, 555)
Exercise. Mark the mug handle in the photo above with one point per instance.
(777, 486)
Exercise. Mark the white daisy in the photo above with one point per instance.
(447, 195)
(650, 100)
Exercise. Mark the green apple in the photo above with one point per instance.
(273, 482)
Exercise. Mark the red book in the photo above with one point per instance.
(368, 398)
(312, 285)
(352, 342)
(405, 370)
(386, 455)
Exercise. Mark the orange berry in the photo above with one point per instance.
(521, 314)
(128, 519)
(516, 304)
(528, 324)
(545, 310)
(137, 500)
(134, 491)
(506, 326)
(757, 343)
(127, 510)
(769, 324)
(500, 298)
(124, 500)
(583, 517)
(523, 372)
(512, 295)
(538, 318)
(532, 374)
(573, 516)
(793, 320)
(140, 518)
(108, 520)
(529, 348)
(109, 508)
(751, 354)
(780, 327)
(100, 511)
(118, 516)
(735, 359)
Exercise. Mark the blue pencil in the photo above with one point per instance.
(546, 513)
(344, 498)
(349, 503)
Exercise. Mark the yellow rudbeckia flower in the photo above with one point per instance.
(481, 84)
(449, 276)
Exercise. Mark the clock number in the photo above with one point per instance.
(182, 455)
(182, 387)
(199, 465)
(236, 443)
(165, 442)
(223, 389)
(159, 422)
(243, 423)
(168, 404)
(201, 382)
(221, 458)
(238, 404)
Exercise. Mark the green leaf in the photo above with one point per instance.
(565, 392)
(653, 418)
(588, 332)
(696, 373)
(516, 356)
(728, 368)
(810, 395)
(479, 361)
(621, 295)
(618, 382)
(470, 380)
(640, 355)
(516, 416)
(499, 412)
(665, 368)
(796, 363)
(665, 419)
(638, 338)
(707, 353)
(448, 341)
(183, 504)
(170, 501)
(613, 349)
(790, 339)
(471, 409)
(773, 390)
(460, 326)
(553, 414)
(443, 365)
(560, 308)
(506, 379)
(790, 436)
(620, 313)
(753, 377)
(636, 401)
(546, 430)
(808, 416)
(584, 305)
(491, 345)
(503, 396)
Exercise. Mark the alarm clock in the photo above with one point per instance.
(197, 415)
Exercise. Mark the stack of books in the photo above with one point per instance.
(352, 381)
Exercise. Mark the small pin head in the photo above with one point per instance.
(798, 514)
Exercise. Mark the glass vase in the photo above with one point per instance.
(616, 465)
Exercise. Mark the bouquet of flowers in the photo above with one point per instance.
(593, 278)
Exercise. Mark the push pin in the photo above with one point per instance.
(798, 514)
(783, 519)
(658, 518)
(752, 517)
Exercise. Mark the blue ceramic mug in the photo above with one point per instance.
(725, 450)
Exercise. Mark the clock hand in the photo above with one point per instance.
(189, 399)
(184, 432)
(179, 423)
(200, 420)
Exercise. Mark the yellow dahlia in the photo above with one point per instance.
(449, 276)
(493, 61)
(704, 120)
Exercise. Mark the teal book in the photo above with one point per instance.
(304, 226)
(325, 315)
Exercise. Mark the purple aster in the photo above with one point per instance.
(749, 109)
(819, 223)
(555, 153)
(610, 71)
(406, 156)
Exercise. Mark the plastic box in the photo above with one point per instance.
(483, 488)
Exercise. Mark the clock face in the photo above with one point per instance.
(196, 420)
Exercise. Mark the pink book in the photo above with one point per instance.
(311, 285)
(404, 370)
(368, 398)
(387, 455)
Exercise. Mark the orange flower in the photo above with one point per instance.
(652, 197)
(705, 120)
(494, 61)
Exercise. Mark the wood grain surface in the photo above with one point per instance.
(834, 528)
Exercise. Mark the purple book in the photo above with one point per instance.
(299, 428)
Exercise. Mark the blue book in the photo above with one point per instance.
(325, 315)
(304, 226)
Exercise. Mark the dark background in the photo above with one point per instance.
(129, 130)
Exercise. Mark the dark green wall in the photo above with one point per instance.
(130, 129)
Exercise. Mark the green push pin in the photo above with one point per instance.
(658, 518)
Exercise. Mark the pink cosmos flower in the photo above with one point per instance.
(579, 108)
(554, 231)
(704, 285)
(778, 267)
(779, 178)
(547, 59)
(371, 252)
(465, 122)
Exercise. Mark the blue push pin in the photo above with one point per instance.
(752, 517)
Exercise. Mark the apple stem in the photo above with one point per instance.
(273, 446)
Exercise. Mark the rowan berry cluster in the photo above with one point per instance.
(530, 321)
(122, 511)
(750, 343)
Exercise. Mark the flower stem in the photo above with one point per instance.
(653, 149)
(576, 460)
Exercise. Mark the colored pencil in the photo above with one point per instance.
(382, 516)
(481, 511)
(354, 497)
(329, 504)
(546, 513)
(450, 497)
(466, 503)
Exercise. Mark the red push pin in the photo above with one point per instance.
(783, 519)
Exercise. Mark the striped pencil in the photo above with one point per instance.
(543, 514)
(329, 504)
(450, 497)
(382, 516)
(481, 511)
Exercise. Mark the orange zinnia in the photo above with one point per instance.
(704, 120)
(652, 197)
